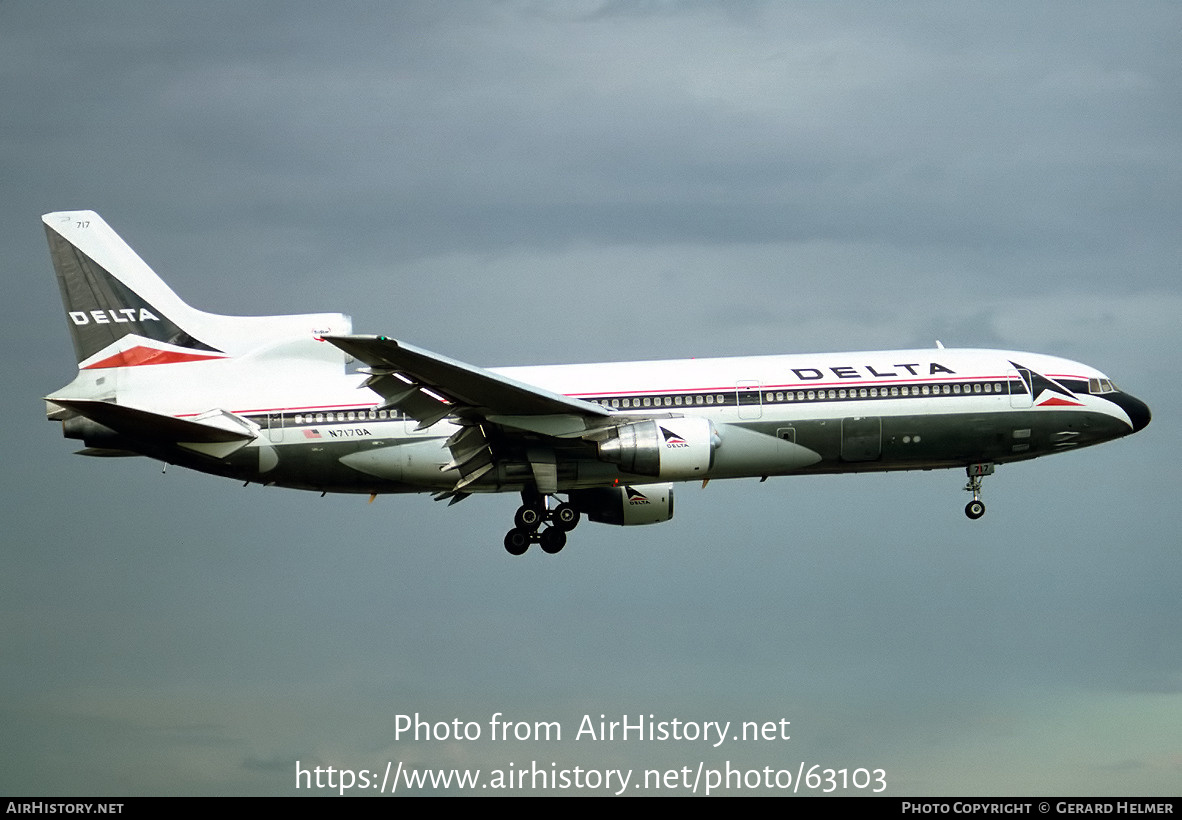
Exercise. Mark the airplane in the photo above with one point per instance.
(300, 401)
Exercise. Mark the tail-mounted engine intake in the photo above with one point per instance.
(677, 449)
(627, 505)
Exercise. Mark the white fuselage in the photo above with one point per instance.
(828, 412)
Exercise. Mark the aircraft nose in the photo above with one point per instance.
(1138, 411)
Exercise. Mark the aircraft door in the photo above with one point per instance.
(749, 398)
(1020, 389)
(412, 427)
(861, 438)
(275, 427)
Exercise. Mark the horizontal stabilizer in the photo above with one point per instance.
(215, 427)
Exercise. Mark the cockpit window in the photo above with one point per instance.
(1098, 386)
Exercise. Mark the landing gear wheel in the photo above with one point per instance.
(528, 518)
(553, 540)
(535, 510)
(564, 517)
(517, 541)
(976, 508)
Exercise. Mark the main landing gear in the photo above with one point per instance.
(976, 508)
(535, 511)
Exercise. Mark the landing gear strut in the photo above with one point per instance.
(976, 508)
(535, 511)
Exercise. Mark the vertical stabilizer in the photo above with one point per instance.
(121, 314)
(112, 297)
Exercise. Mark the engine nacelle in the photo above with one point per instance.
(627, 505)
(677, 449)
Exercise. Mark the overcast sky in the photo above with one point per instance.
(520, 183)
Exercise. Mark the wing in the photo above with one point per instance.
(496, 413)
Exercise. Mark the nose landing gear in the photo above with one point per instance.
(529, 518)
(976, 508)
